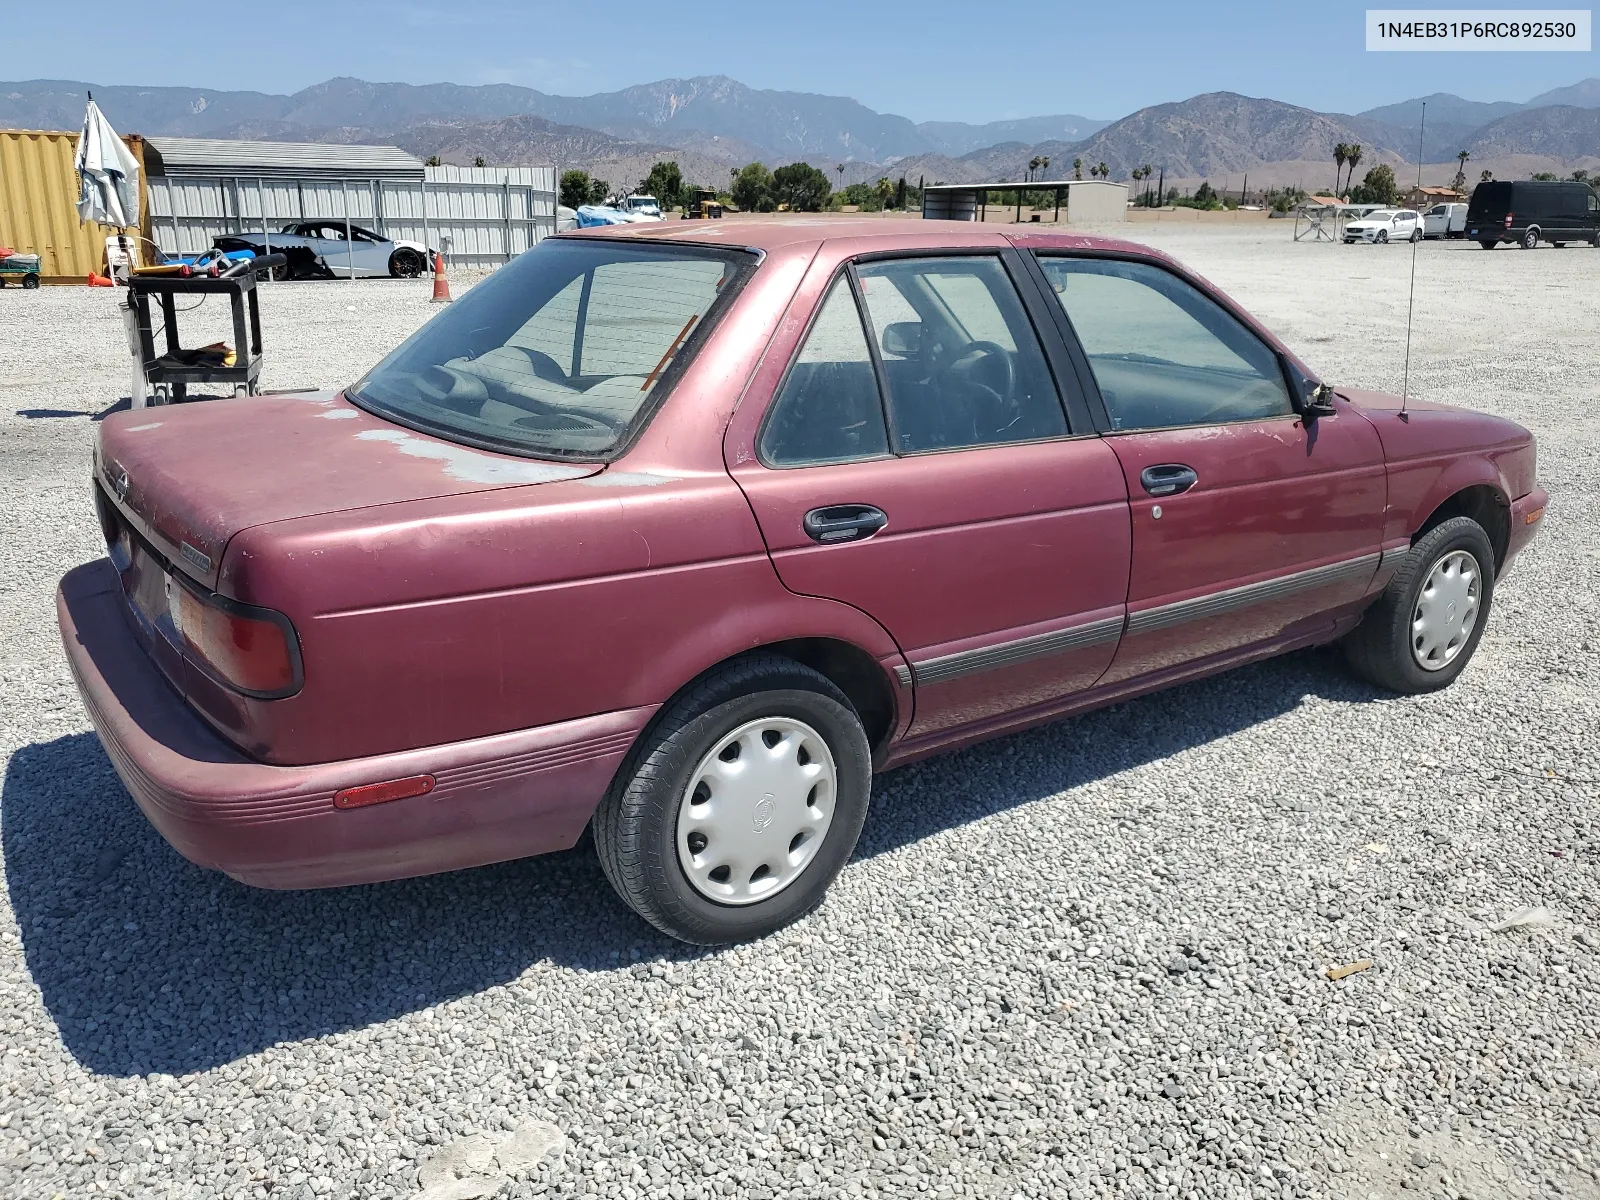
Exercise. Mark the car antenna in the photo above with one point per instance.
(1411, 301)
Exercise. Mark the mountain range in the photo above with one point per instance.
(712, 124)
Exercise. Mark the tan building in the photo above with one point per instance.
(1426, 197)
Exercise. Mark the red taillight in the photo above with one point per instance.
(248, 649)
(1508, 219)
(379, 793)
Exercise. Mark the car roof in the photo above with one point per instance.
(800, 232)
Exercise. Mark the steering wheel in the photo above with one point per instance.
(967, 362)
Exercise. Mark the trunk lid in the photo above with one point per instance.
(187, 478)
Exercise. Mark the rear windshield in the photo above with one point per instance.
(1490, 198)
(561, 352)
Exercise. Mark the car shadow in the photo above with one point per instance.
(148, 963)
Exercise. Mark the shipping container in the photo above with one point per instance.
(39, 204)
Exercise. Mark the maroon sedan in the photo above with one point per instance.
(683, 531)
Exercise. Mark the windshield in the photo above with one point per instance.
(1381, 215)
(560, 352)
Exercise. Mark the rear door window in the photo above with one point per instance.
(828, 410)
(961, 363)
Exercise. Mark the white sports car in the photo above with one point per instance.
(319, 249)
(1385, 225)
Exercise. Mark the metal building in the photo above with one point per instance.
(203, 188)
(1083, 201)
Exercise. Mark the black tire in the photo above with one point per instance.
(1530, 239)
(1488, 245)
(1379, 649)
(635, 827)
(405, 263)
(1559, 245)
(1416, 235)
(1383, 237)
(30, 282)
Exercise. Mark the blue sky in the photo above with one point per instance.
(932, 60)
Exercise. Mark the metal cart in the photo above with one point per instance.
(169, 374)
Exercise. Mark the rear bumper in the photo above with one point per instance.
(495, 798)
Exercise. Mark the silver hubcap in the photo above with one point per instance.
(1447, 609)
(756, 810)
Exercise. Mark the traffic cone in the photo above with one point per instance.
(97, 280)
(441, 285)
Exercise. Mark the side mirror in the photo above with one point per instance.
(903, 338)
(1312, 399)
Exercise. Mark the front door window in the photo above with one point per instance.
(1163, 354)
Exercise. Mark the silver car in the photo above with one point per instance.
(320, 249)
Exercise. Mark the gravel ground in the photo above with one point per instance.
(1084, 961)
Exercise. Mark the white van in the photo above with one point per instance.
(1445, 221)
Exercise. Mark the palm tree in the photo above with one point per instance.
(1033, 166)
(1460, 181)
(1077, 168)
(1485, 176)
(1044, 165)
(1354, 155)
(1105, 171)
(839, 171)
(1341, 152)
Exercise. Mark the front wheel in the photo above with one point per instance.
(1383, 237)
(1424, 628)
(740, 806)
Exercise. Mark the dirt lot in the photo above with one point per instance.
(1085, 961)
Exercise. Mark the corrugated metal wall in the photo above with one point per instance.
(481, 216)
(39, 198)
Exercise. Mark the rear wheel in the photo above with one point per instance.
(29, 282)
(1559, 245)
(405, 263)
(740, 806)
(1488, 245)
(1425, 627)
(1530, 239)
(1416, 235)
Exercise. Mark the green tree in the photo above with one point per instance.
(479, 161)
(1341, 154)
(432, 161)
(884, 191)
(751, 186)
(1077, 168)
(1544, 176)
(1580, 176)
(665, 183)
(574, 188)
(900, 190)
(1377, 188)
(801, 186)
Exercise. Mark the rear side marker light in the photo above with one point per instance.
(382, 793)
(1533, 515)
